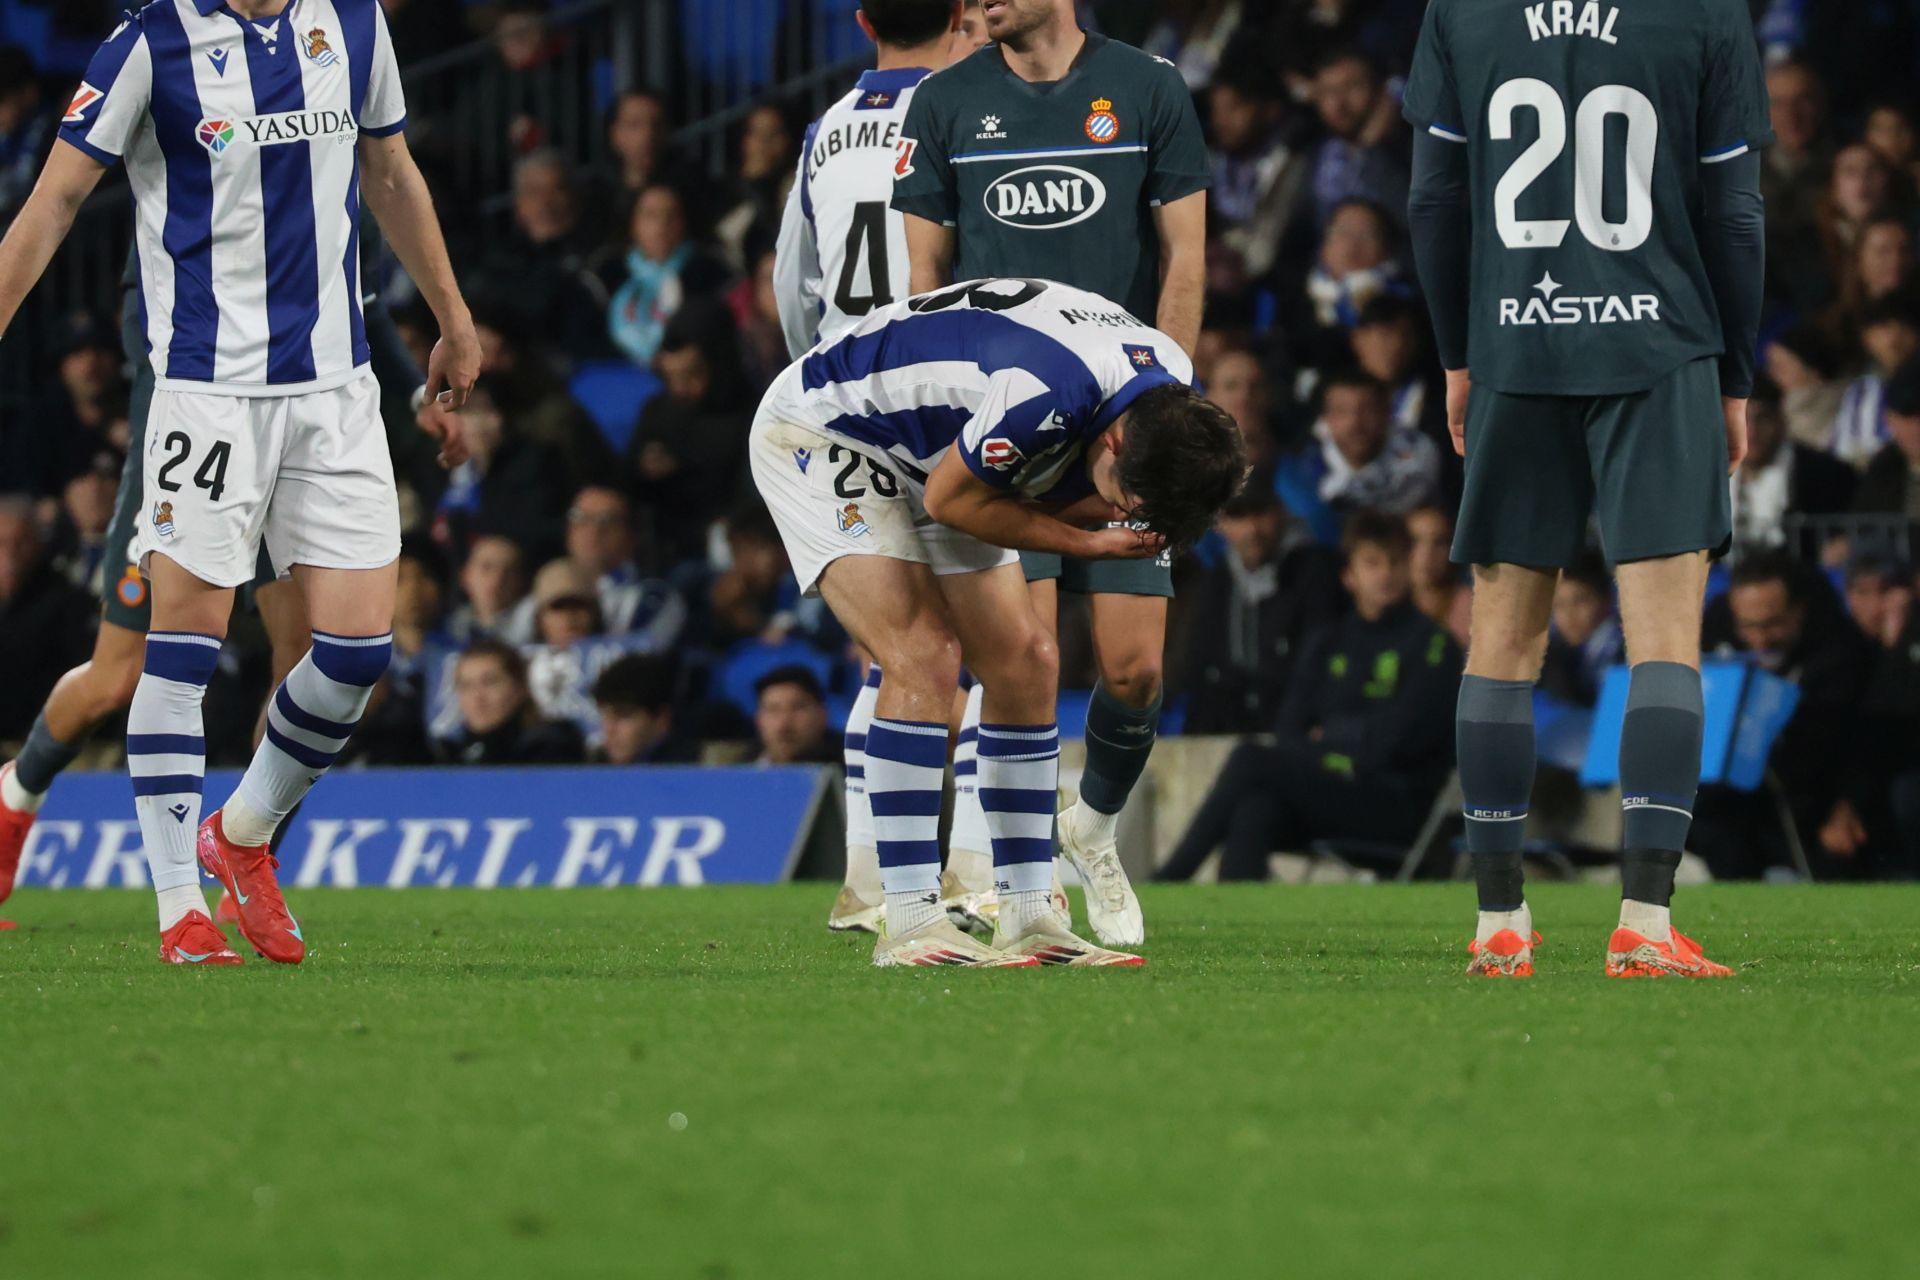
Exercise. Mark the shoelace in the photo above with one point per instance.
(1111, 881)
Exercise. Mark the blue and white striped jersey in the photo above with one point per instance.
(239, 141)
(842, 250)
(1021, 375)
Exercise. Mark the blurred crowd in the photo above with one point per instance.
(601, 582)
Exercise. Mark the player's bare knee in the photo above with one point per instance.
(1025, 666)
(1134, 681)
(1503, 655)
(922, 658)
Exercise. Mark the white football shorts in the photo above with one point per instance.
(308, 473)
(831, 500)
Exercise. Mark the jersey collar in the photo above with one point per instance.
(1093, 44)
(892, 81)
(1122, 400)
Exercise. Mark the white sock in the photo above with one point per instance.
(167, 759)
(1091, 826)
(15, 796)
(1655, 924)
(180, 902)
(1018, 910)
(1492, 922)
(312, 715)
(863, 860)
(906, 769)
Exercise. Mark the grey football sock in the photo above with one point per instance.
(1493, 726)
(1659, 774)
(44, 756)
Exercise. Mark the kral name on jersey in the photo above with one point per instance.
(1596, 308)
(1556, 18)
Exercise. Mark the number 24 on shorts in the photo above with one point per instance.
(210, 475)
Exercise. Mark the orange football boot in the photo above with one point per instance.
(247, 874)
(14, 825)
(1634, 955)
(1505, 955)
(194, 940)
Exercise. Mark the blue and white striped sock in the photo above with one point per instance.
(1019, 773)
(863, 871)
(312, 715)
(906, 769)
(167, 758)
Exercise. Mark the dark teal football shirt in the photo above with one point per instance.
(1056, 181)
(1586, 125)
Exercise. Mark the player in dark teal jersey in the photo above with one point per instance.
(1061, 155)
(1587, 223)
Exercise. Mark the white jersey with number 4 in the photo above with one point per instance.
(843, 250)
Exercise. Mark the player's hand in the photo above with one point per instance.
(446, 429)
(453, 366)
(1088, 512)
(1736, 415)
(1459, 383)
(1121, 542)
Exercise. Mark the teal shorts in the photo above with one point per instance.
(1102, 577)
(1649, 468)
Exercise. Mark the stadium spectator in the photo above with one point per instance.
(1195, 35)
(686, 456)
(635, 701)
(1891, 482)
(1364, 154)
(1793, 175)
(394, 728)
(44, 619)
(1780, 478)
(1584, 637)
(1257, 177)
(1440, 589)
(637, 145)
(1389, 341)
(1238, 383)
(1781, 616)
(86, 508)
(1356, 264)
(659, 271)
(1357, 459)
(1890, 132)
(790, 719)
(753, 597)
(756, 311)
(1859, 190)
(493, 580)
(1889, 337)
(26, 129)
(1891, 701)
(536, 270)
(531, 398)
(602, 540)
(1364, 737)
(43, 449)
(749, 205)
(509, 485)
(1880, 267)
(572, 646)
(1804, 364)
(1247, 615)
(498, 722)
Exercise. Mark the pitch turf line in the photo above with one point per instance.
(1301, 1083)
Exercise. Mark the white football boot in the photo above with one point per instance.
(938, 944)
(1113, 910)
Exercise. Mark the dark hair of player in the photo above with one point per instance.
(1183, 458)
(1370, 528)
(905, 23)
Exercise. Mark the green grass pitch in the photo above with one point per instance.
(707, 1084)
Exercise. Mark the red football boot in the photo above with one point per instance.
(226, 911)
(14, 825)
(247, 874)
(194, 940)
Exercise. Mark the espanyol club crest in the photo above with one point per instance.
(214, 135)
(318, 51)
(83, 97)
(851, 522)
(1103, 125)
(999, 453)
(163, 519)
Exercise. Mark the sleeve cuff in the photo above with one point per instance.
(932, 208)
(1447, 131)
(74, 140)
(1178, 186)
(384, 130)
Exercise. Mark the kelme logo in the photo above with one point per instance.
(1044, 196)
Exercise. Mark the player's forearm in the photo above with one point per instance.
(1440, 220)
(401, 203)
(1733, 247)
(930, 253)
(1002, 520)
(43, 222)
(1183, 269)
